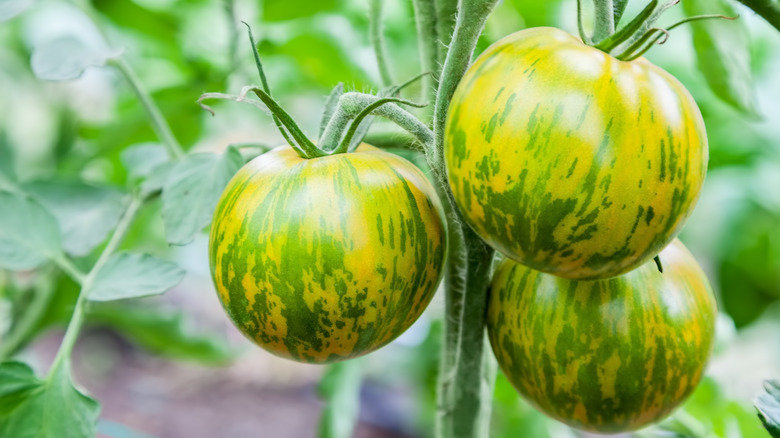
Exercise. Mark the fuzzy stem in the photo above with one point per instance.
(427, 37)
(159, 124)
(464, 407)
(352, 104)
(604, 25)
(378, 41)
(469, 24)
(77, 319)
(447, 11)
(768, 9)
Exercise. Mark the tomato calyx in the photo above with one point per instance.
(637, 37)
(345, 120)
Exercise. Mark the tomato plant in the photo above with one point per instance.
(569, 160)
(327, 258)
(607, 355)
(573, 156)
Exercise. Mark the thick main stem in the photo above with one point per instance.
(468, 26)
(465, 385)
(768, 9)
(463, 405)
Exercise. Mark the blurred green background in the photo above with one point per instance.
(182, 48)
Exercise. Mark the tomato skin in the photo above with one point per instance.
(570, 161)
(608, 355)
(326, 259)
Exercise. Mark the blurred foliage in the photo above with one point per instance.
(83, 131)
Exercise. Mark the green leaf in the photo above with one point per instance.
(11, 8)
(65, 59)
(28, 233)
(340, 388)
(723, 54)
(142, 159)
(162, 332)
(86, 214)
(52, 408)
(280, 10)
(128, 275)
(157, 178)
(768, 406)
(192, 190)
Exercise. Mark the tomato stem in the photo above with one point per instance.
(330, 108)
(25, 327)
(345, 142)
(468, 27)
(77, 319)
(581, 27)
(467, 377)
(159, 124)
(427, 43)
(447, 12)
(378, 41)
(605, 19)
(465, 386)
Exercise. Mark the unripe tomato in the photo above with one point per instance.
(606, 355)
(329, 258)
(570, 161)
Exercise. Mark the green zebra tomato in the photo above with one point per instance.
(606, 355)
(570, 161)
(329, 258)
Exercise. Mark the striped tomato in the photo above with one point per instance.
(606, 355)
(329, 258)
(570, 161)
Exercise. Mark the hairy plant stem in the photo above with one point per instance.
(159, 124)
(472, 15)
(352, 103)
(447, 12)
(378, 41)
(604, 25)
(465, 386)
(768, 9)
(427, 41)
(77, 319)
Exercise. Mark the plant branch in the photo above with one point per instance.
(447, 11)
(468, 26)
(352, 104)
(21, 332)
(67, 266)
(604, 25)
(427, 42)
(378, 41)
(159, 124)
(464, 409)
(77, 319)
(768, 9)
